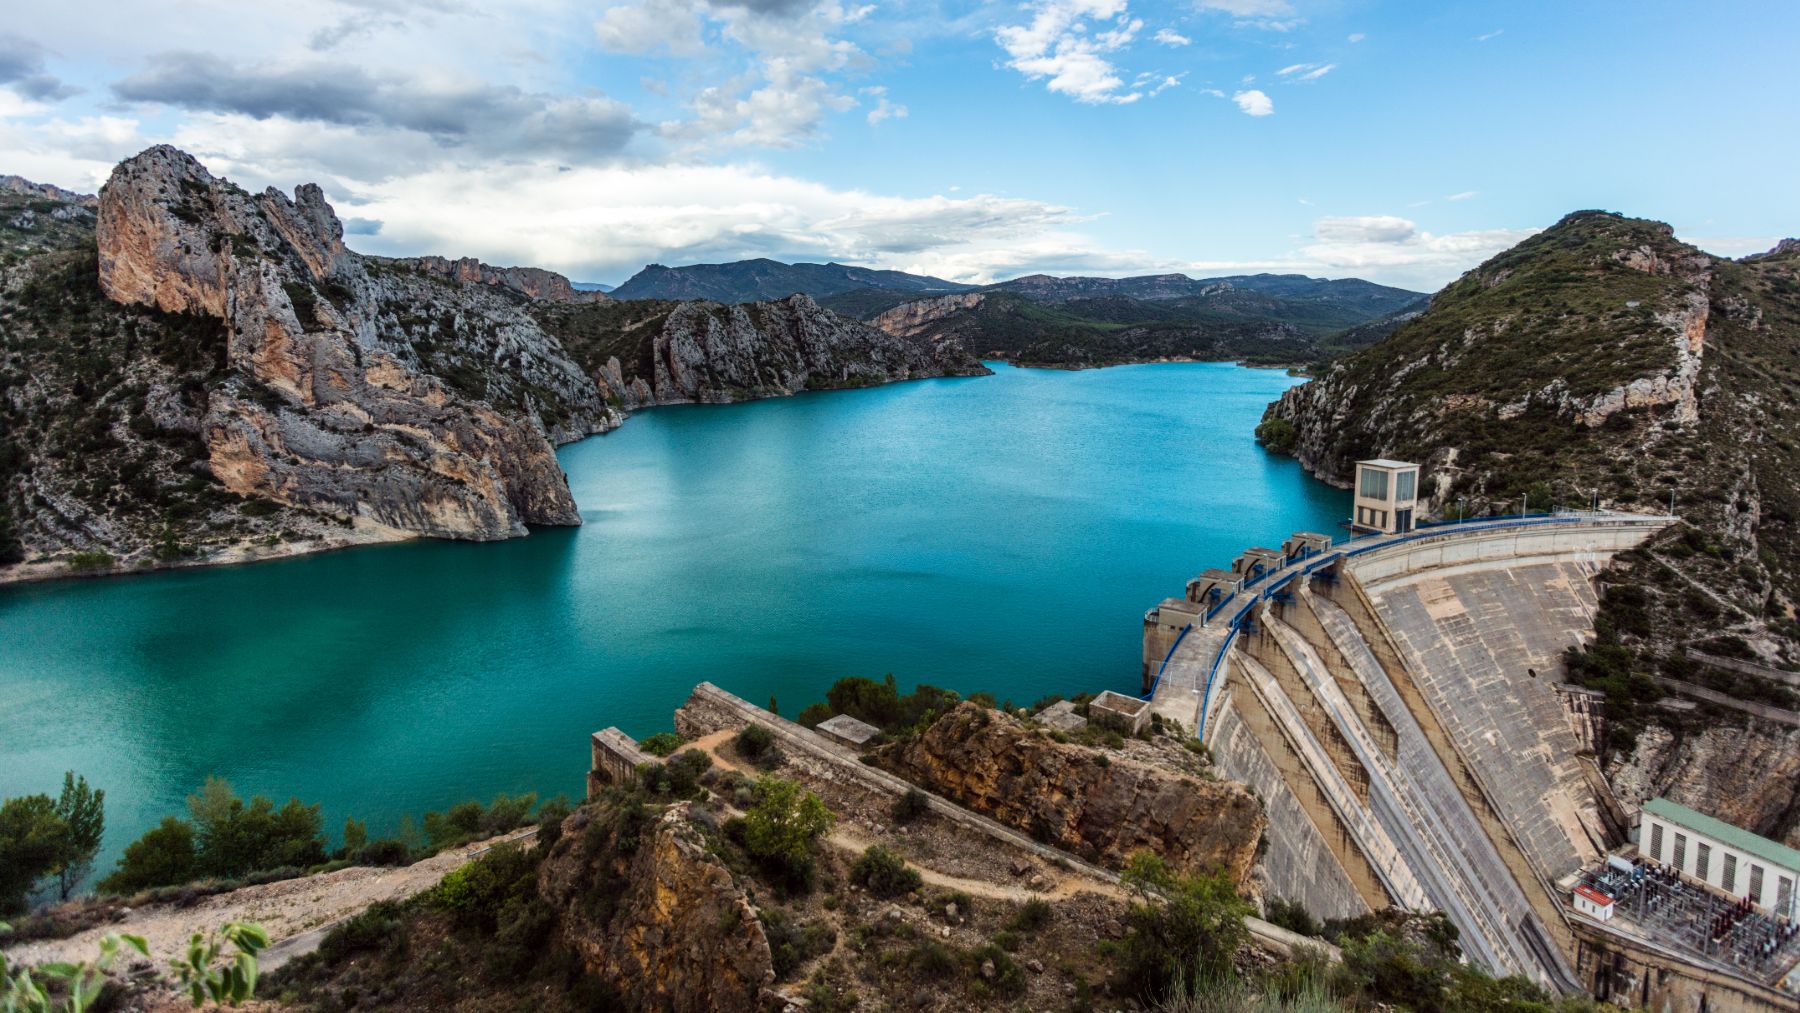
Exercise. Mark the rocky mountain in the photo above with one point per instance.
(1605, 361)
(758, 280)
(531, 282)
(650, 352)
(193, 373)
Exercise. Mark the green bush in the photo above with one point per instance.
(911, 806)
(755, 742)
(783, 823)
(475, 893)
(1293, 916)
(1006, 979)
(388, 851)
(1183, 927)
(1278, 436)
(1032, 916)
(33, 841)
(793, 942)
(88, 562)
(380, 927)
(662, 744)
(165, 856)
(884, 874)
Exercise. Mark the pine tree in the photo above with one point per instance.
(84, 810)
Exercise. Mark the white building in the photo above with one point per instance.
(1387, 493)
(1593, 903)
(1729, 859)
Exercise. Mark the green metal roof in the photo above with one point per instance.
(1725, 833)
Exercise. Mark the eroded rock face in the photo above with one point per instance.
(1732, 773)
(991, 763)
(712, 353)
(531, 282)
(914, 318)
(663, 923)
(327, 407)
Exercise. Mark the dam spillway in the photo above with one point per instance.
(1394, 701)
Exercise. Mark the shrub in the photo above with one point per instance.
(783, 823)
(931, 960)
(507, 812)
(662, 744)
(884, 874)
(1033, 915)
(812, 714)
(793, 942)
(33, 842)
(1293, 916)
(755, 742)
(88, 562)
(387, 851)
(1006, 978)
(1182, 928)
(164, 856)
(474, 893)
(379, 927)
(911, 806)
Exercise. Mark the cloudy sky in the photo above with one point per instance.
(1401, 142)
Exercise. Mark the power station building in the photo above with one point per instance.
(1386, 495)
(1720, 856)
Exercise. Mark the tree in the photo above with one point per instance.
(235, 838)
(164, 856)
(1184, 928)
(84, 811)
(784, 821)
(356, 836)
(34, 841)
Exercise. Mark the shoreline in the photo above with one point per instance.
(244, 554)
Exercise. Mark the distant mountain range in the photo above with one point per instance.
(592, 286)
(1044, 320)
(760, 280)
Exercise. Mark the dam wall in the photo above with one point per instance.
(1400, 692)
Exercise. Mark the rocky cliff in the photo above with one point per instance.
(323, 408)
(657, 916)
(649, 353)
(1062, 795)
(1605, 361)
(530, 282)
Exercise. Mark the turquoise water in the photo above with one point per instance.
(1003, 533)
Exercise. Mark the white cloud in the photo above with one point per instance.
(1249, 8)
(1356, 37)
(669, 26)
(1496, 33)
(1465, 195)
(1306, 71)
(1254, 102)
(1398, 249)
(1171, 37)
(884, 108)
(1060, 44)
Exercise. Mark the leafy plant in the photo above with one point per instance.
(208, 970)
(80, 983)
(883, 873)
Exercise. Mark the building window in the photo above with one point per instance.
(1702, 861)
(1728, 879)
(1784, 896)
(1656, 842)
(1403, 485)
(1756, 883)
(1680, 860)
(1381, 516)
(1374, 484)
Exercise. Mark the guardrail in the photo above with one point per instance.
(1370, 542)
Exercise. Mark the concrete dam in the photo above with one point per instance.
(1396, 701)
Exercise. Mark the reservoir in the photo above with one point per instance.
(1000, 533)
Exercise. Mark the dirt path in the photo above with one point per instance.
(296, 912)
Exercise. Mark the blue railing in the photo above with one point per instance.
(1179, 637)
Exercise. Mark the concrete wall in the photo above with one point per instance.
(616, 759)
(1637, 975)
(1298, 864)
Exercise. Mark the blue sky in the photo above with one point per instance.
(1401, 142)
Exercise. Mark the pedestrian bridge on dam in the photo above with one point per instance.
(1396, 702)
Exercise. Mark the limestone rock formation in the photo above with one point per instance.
(914, 318)
(1709, 769)
(650, 353)
(327, 406)
(531, 282)
(663, 922)
(991, 763)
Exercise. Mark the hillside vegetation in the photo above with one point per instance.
(1603, 361)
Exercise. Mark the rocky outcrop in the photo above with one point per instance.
(662, 921)
(327, 405)
(708, 352)
(914, 318)
(22, 187)
(1065, 796)
(531, 282)
(1709, 769)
